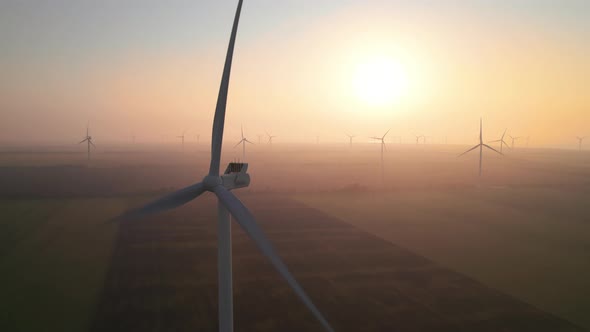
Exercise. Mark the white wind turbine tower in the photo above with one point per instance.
(501, 141)
(350, 137)
(481, 145)
(88, 140)
(234, 177)
(243, 141)
(580, 141)
(513, 139)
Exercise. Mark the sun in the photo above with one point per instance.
(380, 81)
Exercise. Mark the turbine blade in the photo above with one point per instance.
(473, 148)
(240, 142)
(247, 141)
(82, 141)
(219, 120)
(387, 132)
(248, 223)
(496, 141)
(94, 146)
(491, 148)
(165, 203)
(242, 129)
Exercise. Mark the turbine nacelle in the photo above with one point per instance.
(236, 176)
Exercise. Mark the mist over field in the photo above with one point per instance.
(514, 241)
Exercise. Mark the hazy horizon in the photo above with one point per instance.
(153, 70)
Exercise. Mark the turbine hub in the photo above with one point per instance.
(211, 181)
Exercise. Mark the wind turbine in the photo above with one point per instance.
(243, 141)
(513, 139)
(270, 137)
(182, 137)
(235, 176)
(580, 140)
(501, 141)
(88, 140)
(418, 137)
(259, 139)
(382, 140)
(481, 145)
(350, 137)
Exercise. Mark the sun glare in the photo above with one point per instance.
(380, 81)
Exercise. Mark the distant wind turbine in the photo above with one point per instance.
(481, 145)
(513, 139)
(182, 138)
(243, 141)
(88, 140)
(501, 141)
(270, 137)
(350, 137)
(580, 141)
(382, 140)
(234, 177)
(418, 137)
(259, 139)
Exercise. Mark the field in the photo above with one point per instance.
(430, 248)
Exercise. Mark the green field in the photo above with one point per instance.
(53, 261)
(533, 244)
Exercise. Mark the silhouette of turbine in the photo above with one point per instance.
(88, 140)
(228, 204)
(481, 145)
(501, 141)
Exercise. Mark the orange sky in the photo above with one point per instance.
(295, 77)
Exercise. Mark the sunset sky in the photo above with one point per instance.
(301, 69)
